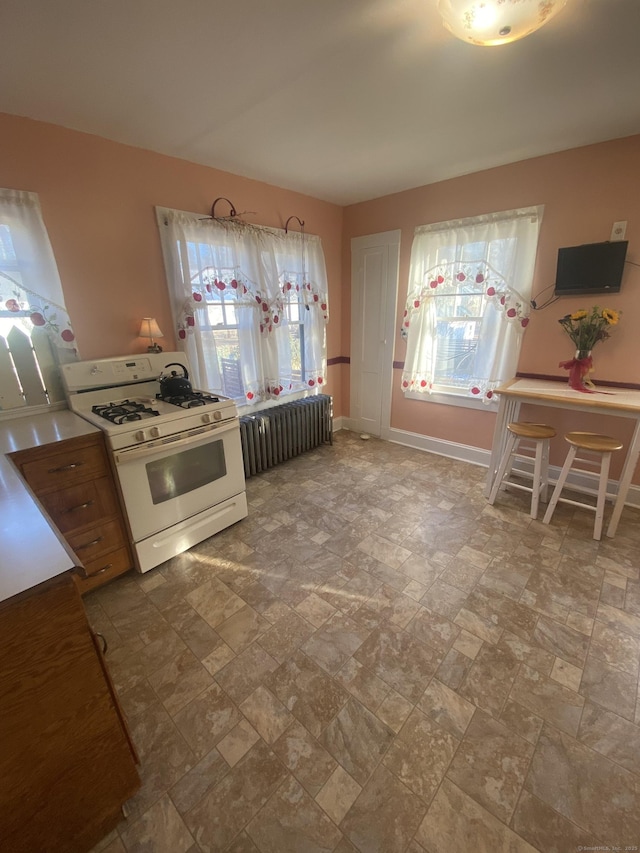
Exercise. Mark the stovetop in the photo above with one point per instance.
(127, 390)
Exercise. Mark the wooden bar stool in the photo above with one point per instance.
(530, 437)
(599, 449)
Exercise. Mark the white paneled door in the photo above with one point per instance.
(374, 287)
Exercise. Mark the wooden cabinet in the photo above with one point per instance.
(66, 762)
(73, 482)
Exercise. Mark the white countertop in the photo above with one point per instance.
(31, 551)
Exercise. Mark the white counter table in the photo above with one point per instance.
(31, 550)
(617, 402)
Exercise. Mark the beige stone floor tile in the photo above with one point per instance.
(489, 679)
(159, 829)
(315, 609)
(334, 643)
(244, 673)
(526, 652)
(364, 685)
(420, 755)
(580, 622)
(394, 710)
(242, 628)
(207, 719)
(562, 640)
(385, 816)
(223, 812)
(546, 829)
(338, 794)
(491, 764)
(308, 692)
(301, 753)
(291, 822)
(400, 659)
(266, 713)
(456, 822)
(242, 844)
(468, 644)
(447, 708)
(237, 742)
(522, 721)
(552, 701)
(568, 776)
(376, 605)
(180, 681)
(357, 739)
(567, 674)
(617, 648)
(219, 657)
(611, 688)
(198, 781)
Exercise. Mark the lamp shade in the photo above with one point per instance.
(493, 22)
(149, 328)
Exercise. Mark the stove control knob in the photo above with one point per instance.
(155, 432)
(206, 418)
(217, 416)
(140, 436)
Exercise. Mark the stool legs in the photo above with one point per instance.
(602, 489)
(560, 484)
(602, 494)
(540, 471)
(502, 467)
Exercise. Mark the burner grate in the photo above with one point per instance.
(189, 401)
(124, 411)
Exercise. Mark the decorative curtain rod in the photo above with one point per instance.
(300, 222)
(233, 217)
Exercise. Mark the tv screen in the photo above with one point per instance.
(592, 268)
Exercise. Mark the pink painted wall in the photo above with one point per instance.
(98, 200)
(584, 191)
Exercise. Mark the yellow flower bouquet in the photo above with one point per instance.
(586, 329)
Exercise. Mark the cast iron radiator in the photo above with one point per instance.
(274, 435)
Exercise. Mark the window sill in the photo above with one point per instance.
(270, 404)
(451, 398)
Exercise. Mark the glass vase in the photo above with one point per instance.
(579, 369)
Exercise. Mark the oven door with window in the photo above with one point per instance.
(166, 481)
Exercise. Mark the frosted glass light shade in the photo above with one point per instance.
(493, 22)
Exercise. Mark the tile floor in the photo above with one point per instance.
(378, 661)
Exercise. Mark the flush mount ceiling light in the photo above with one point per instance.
(493, 22)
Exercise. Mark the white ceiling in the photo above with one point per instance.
(344, 100)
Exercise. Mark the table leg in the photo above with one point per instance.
(625, 480)
(507, 412)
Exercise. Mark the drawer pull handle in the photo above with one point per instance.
(69, 467)
(100, 571)
(89, 544)
(104, 642)
(79, 506)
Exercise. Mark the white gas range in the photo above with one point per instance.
(178, 460)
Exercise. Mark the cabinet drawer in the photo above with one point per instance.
(79, 506)
(98, 540)
(62, 469)
(105, 568)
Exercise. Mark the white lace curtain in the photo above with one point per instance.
(29, 280)
(491, 257)
(260, 266)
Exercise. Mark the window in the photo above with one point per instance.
(35, 332)
(468, 303)
(250, 305)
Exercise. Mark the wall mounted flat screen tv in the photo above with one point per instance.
(592, 268)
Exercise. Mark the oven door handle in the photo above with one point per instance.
(153, 448)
